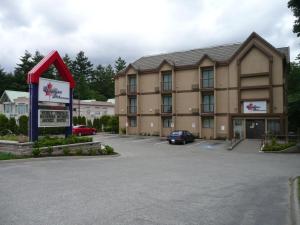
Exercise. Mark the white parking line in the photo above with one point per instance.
(162, 142)
(195, 144)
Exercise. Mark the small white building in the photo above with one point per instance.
(16, 103)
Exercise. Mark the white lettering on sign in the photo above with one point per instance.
(53, 118)
(255, 107)
(54, 91)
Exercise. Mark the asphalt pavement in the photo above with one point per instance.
(151, 182)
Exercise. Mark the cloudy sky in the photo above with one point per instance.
(107, 29)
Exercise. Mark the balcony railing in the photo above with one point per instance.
(131, 109)
(207, 108)
(166, 108)
(207, 83)
(166, 86)
(131, 89)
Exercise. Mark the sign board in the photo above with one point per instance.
(53, 118)
(255, 107)
(54, 91)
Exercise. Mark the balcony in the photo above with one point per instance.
(166, 108)
(131, 110)
(131, 89)
(207, 108)
(166, 87)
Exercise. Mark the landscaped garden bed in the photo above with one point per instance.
(274, 146)
(54, 146)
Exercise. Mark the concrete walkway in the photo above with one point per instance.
(248, 146)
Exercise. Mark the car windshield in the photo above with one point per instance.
(176, 133)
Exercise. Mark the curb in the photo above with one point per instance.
(48, 158)
(294, 201)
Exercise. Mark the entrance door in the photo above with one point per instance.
(255, 129)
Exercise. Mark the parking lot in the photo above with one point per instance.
(151, 182)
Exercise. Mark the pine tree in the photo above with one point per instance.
(82, 72)
(120, 64)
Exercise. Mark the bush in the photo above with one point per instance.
(12, 125)
(36, 152)
(75, 120)
(277, 147)
(23, 124)
(66, 151)
(3, 122)
(89, 123)
(53, 141)
(114, 124)
(109, 149)
(104, 121)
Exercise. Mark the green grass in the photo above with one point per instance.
(7, 156)
(277, 146)
(18, 138)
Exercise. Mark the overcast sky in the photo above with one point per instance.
(107, 29)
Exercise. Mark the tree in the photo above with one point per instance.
(82, 72)
(120, 64)
(294, 96)
(21, 71)
(294, 5)
(114, 124)
(3, 123)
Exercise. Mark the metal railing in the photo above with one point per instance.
(131, 109)
(166, 108)
(207, 108)
(131, 89)
(166, 86)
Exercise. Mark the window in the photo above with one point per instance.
(132, 121)
(7, 108)
(167, 81)
(208, 103)
(208, 122)
(132, 105)
(21, 109)
(167, 122)
(132, 84)
(208, 78)
(273, 127)
(167, 104)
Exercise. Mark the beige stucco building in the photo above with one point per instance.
(236, 90)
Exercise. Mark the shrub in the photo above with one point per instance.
(109, 149)
(23, 124)
(36, 152)
(53, 141)
(104, 120)
(12, 125)
(3, 122)
(66, 151)
(75, 120)
(114, 124)
(89, 123)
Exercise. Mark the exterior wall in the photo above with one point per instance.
(254, 74)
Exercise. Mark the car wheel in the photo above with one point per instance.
(184, 142)
(170, 142)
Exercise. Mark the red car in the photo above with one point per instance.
(83, 130)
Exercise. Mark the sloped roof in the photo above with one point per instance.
(221, 53)
(217, 53)
(12, 95)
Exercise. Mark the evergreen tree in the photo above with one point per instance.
(21, 71)
(82, 72)
(120, 64)
(294, 5)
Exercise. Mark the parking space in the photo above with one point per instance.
(151, 182)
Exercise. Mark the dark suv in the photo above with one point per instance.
(180, 136)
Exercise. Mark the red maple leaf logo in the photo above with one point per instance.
(48, 89)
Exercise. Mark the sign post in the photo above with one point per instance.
(50, 91)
